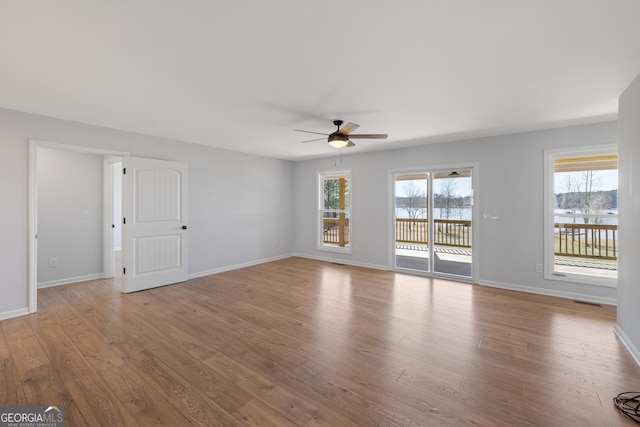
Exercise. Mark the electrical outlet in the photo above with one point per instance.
(538, 268)
(275, 243)
(53, 262)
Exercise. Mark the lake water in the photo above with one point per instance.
(606, 217)
(458, 213)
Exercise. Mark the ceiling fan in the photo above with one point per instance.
(342, 137)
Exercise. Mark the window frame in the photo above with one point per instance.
(550, 272)
(320, 244)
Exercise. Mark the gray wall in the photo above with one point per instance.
(510, 181)
(629, 196)
(238, 203)
(70, 184)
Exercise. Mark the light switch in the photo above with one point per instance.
(491, 215)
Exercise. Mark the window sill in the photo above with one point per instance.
(336, 249)
(583, 280)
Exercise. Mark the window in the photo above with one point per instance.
(581, 221)
(335, 211)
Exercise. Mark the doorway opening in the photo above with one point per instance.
(62, 236)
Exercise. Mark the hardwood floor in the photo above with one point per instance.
(307, 343)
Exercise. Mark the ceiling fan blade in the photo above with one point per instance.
(312, 140)
(348, 128)
(308, 131)
(350, 144)
(369, 136)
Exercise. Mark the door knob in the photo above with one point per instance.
(184, 227)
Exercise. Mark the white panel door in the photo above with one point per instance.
(154, 247)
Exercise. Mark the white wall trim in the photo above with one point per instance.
(342, 261)
(549, 292)
(627, 343)
(237, 266)
(32, 243)
(508, 286)
(320, 246)
(549, 214)
(70, 280)
(108, 217)
(14, 313)
(32, 240)
(475, 211)
(284, 256)
(78, 148)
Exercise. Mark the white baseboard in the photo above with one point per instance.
(508, 286)
(627, 343)
(69, 280)
(279, 257)
(549, 292)
(14, 313)
(236, 266)
(342, 261)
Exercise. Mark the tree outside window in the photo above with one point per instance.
(335, 209)
(581, 221)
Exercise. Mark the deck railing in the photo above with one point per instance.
(571, 240)
(336, 231)
(448, 232)
(587, 240)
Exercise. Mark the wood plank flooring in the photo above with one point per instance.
(299, 342)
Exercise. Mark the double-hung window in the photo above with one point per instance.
(334, 216)
(581, 215)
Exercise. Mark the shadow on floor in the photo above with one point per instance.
(441, 266)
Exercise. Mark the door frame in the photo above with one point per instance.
(474, 167)
(32, 241)
(109, 218)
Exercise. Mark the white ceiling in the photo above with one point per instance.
(243, 74)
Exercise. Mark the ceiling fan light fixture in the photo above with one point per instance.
(338, 141)
(342, 136)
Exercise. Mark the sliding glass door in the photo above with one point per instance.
(433, 221)
(411, 222)
(452, 220)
